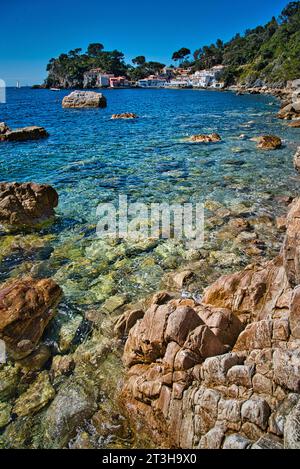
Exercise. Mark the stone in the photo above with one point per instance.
(26, 205)
(229, 410)
(37, 359)
(114, 303)
(279, 417)
(181, 279)
(5, 412)
(26, 308)
(203, 343)
(9, 379)
(3, 128)
(223, 323)
(37, 396)
(295, 124)
(84, 99)
(262, 385)
(125, 115)
(75, 402)
(161, 298)
(212, 138)
(180, 323)
(21, 135)
(268, 442)
(292, 429)
(215, 368)
(256, 336)
(126, 322)
(213, 439)
(241, 375)
(269, 142)
(256, 411)
(68, 332)
(287, 369)
(62, 365)
(236, 441)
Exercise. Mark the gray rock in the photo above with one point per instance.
(292, 429)
(236, 442)
(256, 411)
(268, 442)
(287, 369)
(213, 439)
(74, 403)
(84, 99)
(280, 416)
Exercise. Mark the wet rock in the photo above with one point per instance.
(84, 99)
(3, 128)
(26, 308)
(292, 429)
(9, 379)
(295, 124)
(68, 333)
(5, 411)
(269, 142)
(236, 442)
(26, 205)
(36, 397)
(204, 138)
(125, 115)
(37, 359)
(21, 135)
(74, 403)
(62, 365)
(114, 303)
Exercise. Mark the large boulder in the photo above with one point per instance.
(84, 99)
(269, 142)
(21, 135)
(291, 247)
(26, 308)
(26, 205)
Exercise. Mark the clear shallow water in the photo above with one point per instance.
(90, 158)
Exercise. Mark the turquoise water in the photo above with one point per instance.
(90, 158)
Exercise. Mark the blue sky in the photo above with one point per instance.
(33, 31)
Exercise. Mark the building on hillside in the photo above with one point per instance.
(152, 81)
(118, 82)
(208, 78)
(96, 78)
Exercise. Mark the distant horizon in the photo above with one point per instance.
(33, 33)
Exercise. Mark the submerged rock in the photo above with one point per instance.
(26, 307)
(5, 411)
(74, 403)
(212, 138)
(84, 99)
(125, 115)
(26, 205)
(36, 397)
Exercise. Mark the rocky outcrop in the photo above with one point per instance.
(297, 160)
(26, 308)
(84, 99)
(125, 115)
(224, 373)
(21, 135)
(26, 205)
(212, 138)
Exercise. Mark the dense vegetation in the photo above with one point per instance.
(269, 53)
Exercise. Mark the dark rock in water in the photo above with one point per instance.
(26, 308)
(268, 142)
(125, 115)
(84, 99)
(26, 205)
(74, 403)
(21, 135)
(212, 138)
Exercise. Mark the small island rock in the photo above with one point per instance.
(84, 99)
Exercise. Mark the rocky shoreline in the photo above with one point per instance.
(221, 370)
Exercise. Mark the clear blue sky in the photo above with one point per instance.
(33, 31)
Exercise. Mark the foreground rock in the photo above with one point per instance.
(21, 135)
(212, 138)
(26, 205)
(297, 160)
(268, 142)
(125, 115)
(26, 308)
(224, 373)
(84, 99)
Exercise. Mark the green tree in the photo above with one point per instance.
(95, 49)
(139, 60)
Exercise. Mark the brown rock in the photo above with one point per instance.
(26, 205)
(291, 247)
(26, 308)
(269, 142)
(26, 133)
(223, 323)
(125, 322)
(287, 369)
(203, 343)
(256, 336)
(295, 124)
(212, 138)
(180, 323)
(125, 115)
(297, 159)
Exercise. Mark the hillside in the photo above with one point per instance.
(268, 54)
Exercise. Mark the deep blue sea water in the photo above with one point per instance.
(90, 158)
